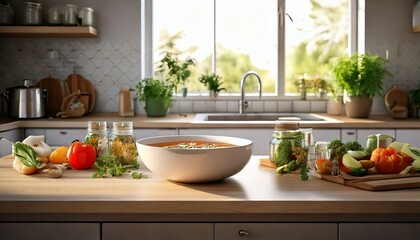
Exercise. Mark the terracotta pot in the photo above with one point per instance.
(358, 107)
(334, 106)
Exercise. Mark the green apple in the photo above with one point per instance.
(351, 163)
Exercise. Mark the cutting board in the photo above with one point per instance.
(375, 182)
(396, 97)
(55, 95)
(76, 82)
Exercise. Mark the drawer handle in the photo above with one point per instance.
(63, 132)
(243, 233)
(351, 133)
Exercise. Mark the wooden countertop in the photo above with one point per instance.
(254, 190)
(191, 121)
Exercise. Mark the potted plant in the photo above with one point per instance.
(336, 100)
(156, 93)
(213, 83)
(361, 77)
(157, 96)
(320, 87)
(414, 102)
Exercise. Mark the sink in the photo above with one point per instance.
(258, 117)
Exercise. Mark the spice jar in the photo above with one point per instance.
(32, 13)
(286, 136)
(97, 136)
(123, 143)
(86, 16)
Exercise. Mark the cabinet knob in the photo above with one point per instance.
(242, 232)
(63, 132)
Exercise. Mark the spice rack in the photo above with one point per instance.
(48, 31)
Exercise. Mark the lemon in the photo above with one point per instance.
(59, 155)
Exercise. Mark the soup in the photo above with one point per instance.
(192, 145)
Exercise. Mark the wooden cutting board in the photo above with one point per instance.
(55, 95)
(76, 82)
(375, 182)
(396, 97)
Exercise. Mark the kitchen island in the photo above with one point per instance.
(255, 198)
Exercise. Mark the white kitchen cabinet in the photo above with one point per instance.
(169, 231)
(368, 231)
(349, 135)
(34, 132)
(50, 231)
(5, 144)
(267, 231)
(153, 132)
(259, 136)
(326, 134)
(411, 136)
(64, 137)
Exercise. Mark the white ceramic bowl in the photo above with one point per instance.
(195, 165)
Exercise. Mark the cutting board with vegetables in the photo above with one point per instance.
(375, 182)
(55, 94)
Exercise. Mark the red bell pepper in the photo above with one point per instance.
(81, 156)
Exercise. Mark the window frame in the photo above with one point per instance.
(356, 23)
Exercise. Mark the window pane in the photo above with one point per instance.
(188, 24)
(246, 39)
(316, 34)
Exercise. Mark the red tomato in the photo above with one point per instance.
(81, 156)
(323, 165)
(390, 161)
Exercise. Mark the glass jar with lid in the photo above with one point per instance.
(97, 136)
(123, 143)
(286, 136)
(32, 13)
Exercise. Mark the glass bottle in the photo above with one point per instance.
(286, 136)
(123, 143)
(97, 136)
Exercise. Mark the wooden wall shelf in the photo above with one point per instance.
(48, 31)
(416, 29)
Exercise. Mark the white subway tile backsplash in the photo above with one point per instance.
(270, 106)
(233, 106)
(221, 106)
(301, 106)
(318, 106)
(284, 106)
(186, 106)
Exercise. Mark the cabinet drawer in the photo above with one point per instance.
(168, 231)
(47, 231)
(59, 137)
(267, 231)
(368, 231)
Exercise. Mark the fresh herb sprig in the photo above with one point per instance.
(110, 166)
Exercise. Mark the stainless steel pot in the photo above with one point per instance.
(26, 101)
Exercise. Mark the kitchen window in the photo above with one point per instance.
(281, 40)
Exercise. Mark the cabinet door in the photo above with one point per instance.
(34, 131)
(362, 134)
(259, 136)
(6, 144)
(267, 231)
(47, 231)
(349, 135)
(168, 231)
(369, 231)
(326, 134)
(410, 136)
(63, 137)
(149, 132)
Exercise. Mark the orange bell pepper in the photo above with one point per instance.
(387, 160)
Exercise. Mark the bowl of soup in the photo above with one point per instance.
(195, 158)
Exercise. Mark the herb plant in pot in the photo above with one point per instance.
(157, 96)
(334, 104)
(213, 83)
(361, 76)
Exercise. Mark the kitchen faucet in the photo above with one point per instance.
(242, 103)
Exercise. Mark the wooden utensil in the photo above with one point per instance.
(396, 97)
(55, 95)
(76, 82)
